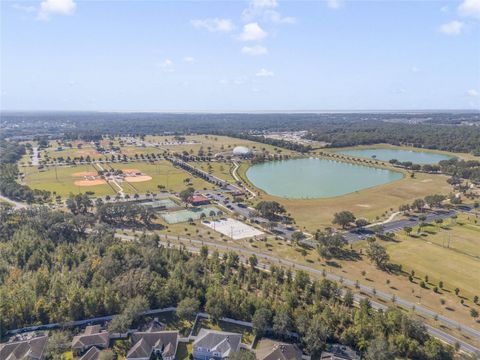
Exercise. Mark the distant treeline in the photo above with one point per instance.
(446, 131)
(430, 136)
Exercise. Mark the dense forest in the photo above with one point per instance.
(445, 131)
(52, 270)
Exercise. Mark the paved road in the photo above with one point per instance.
(35, 157)
(398, 225)
(365, 289)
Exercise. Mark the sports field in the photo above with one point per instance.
(61, 180)
(77, 179)
(163, 173)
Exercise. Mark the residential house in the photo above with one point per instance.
(339, 352)
(217, 345)
(92, 354)
(92, 336)
(145, 344)
(273, 350)
(31, 347)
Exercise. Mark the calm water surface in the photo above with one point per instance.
(416, 157)
(316, 178)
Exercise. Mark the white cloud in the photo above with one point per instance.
(454, 27)
(252, 32)
(214, 25)
(334, 4)
(264, 73)
(166, 66)
(254, 50)
(52, 7)
(24, 8)
(473, 93)
(189, 59)
(264, 9)
(444, 9)
(470, 8)
(414, 69)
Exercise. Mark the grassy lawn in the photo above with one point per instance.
(62, 181)
(218, 169)
(214, 144)
(183, 351)
(429, 254)
(247, 333)
(162, 173)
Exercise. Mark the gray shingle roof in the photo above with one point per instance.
(146, 342)
(91, 354)
(279, 351)
(31, 348)
(222, 342)
(91, 337)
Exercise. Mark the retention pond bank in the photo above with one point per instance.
(316, 178)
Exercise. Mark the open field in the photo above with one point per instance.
(214, 144)
(218, 169)
(65, 180)
(61, 180)
(311, 214)
(162, 173)
(429, 254)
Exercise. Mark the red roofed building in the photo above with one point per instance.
(197, 200)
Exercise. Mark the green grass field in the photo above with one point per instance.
(162, 173)
(61, 180)
(448, 253)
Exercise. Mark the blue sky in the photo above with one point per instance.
(240, 56)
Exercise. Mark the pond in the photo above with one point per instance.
(416, 157)
(311, 178)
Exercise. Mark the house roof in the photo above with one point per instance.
(274, 350)
(145, 342)
(91, 354)
(199, 198)
(32, 348)
(218, 341)
(91, 337)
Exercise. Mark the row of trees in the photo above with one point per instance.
(51, 273)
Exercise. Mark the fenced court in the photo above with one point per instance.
(161, 204)
(233, 228)
(174, 217)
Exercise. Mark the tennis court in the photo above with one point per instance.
(174, 217)
(161, 204)
(233, 228)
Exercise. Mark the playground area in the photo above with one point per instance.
(174, 217)
(232, 228)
